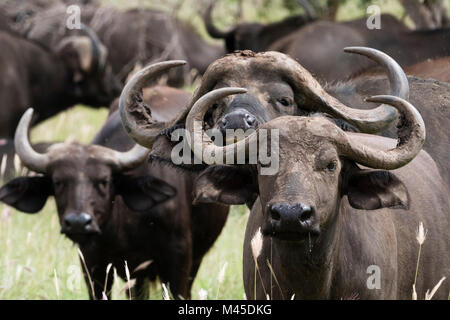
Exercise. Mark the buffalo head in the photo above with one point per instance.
(317, 167)
(84, 181)
(91, 79)
(276, 86)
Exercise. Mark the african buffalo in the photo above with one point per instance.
(277, 85)
(119, 209)
(339, 207)
(156, 36)
(51, 80)
(76, 71)
(318, 46)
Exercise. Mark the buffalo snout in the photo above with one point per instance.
(292, 221)
(79, 223)
(238, 119)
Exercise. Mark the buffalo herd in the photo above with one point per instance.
(355, 121)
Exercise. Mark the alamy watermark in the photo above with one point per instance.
(263, 149)
(374, 20)
(73, 20)
(374, 280)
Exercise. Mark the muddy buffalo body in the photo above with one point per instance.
(340, 204)
(119, 209)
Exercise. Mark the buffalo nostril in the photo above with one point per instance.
(86, 219)
(75, 220)
(275, 215)
(249, 119)
(306, 214)
(224, 122)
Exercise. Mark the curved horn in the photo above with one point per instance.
(368, 121)
(213, 31)
(135, 114)
(35, 161)
(199, 142)
(96, 46)
(125, 160)
(397, 77)
(411, 137)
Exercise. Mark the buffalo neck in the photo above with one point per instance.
(312, 263)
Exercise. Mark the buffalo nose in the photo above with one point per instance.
(239, 119)
(77, 222)
(250, 120)
(298, 215)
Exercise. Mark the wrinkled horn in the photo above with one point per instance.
(135, 114)
(411, 137)
(33, 160)
(368, 121)
(213, 31)
(200, 143)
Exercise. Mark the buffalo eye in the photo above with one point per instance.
(102, 184)
(331, 166)
(58, 185)
(285, 102)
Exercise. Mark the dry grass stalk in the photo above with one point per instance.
(275, 278)
(127, 274)
(108, 268)
(91, 284)
(429, 295)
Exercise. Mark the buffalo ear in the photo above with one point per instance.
(226, 185)
(27, 194)
(145, 192)
(371, 190)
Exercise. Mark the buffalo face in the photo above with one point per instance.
(85, 187)
(266, 99)
(85, 182)
(92, 81)
(304, 191)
